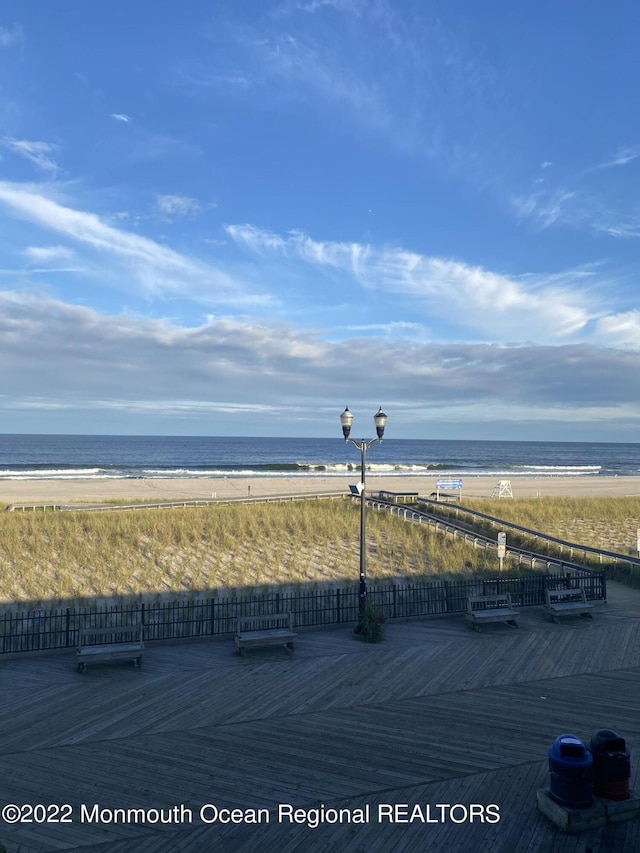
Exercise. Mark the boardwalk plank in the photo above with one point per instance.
(433, 714)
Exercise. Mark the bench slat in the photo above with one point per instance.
(276, 634)
(111, 648)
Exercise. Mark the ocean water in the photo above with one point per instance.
(57, 457)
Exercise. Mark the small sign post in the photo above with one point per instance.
(502, 548)
(638, 541)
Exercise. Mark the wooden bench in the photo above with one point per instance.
(491, 608)
(567, 602)
(272, 630)
(105, 645)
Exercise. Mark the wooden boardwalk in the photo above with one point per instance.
(436, 714)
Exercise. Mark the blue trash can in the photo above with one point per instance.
(611, 766)
(570, 772)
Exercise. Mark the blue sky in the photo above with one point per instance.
(234, 218)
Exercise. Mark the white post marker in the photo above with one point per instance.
(638, 541)
(502, 547)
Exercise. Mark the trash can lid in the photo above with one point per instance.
(570, 747)
(607, 741)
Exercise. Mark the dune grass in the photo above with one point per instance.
(606, 523)
(610, 523)
(61, 558)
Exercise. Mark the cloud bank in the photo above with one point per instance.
(52, 352)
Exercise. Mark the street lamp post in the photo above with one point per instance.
(346, 420)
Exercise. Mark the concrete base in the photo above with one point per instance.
(567, 819)
(600, 813)
(619, 810)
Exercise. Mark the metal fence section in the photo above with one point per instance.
(39, 630)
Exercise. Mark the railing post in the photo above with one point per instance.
(67, 627)
(212, 623)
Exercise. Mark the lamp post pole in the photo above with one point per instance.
(346, 420)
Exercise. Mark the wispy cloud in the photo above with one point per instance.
(332, 55)
(621, 229)
(511, 308)
(120, 117)
(412, 80)
(623, 328)
(392, 329)
(160, 270)
(10, 37)
(547, 207)
(43, 254)
(622, 157)
(35, 152)
(312, 6)
(171, 206)
(591, 200)
(302, 63)
(585, 209)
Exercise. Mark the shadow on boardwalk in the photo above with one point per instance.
(436, 714)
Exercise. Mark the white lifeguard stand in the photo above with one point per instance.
(502, 489)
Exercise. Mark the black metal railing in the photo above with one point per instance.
(39, 630)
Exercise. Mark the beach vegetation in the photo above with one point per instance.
(606, 523)
(119, 555)
(609, 523)
(371, 625)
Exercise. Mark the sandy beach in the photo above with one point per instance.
(96, 490)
